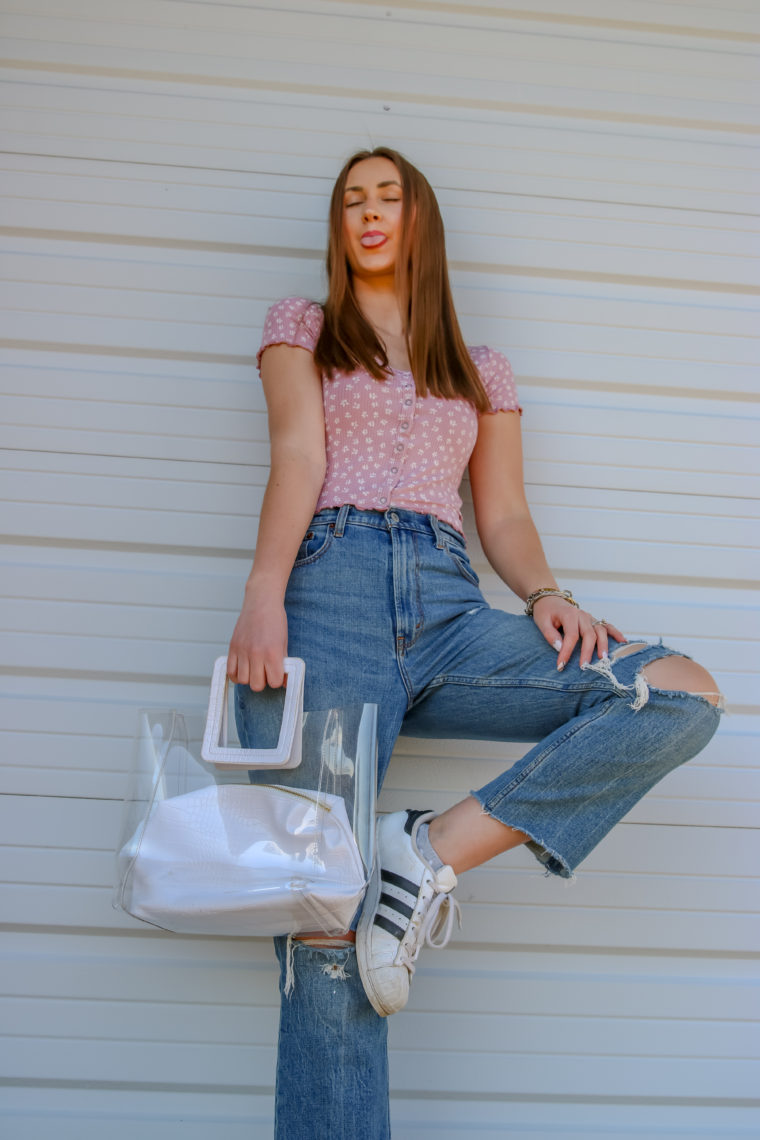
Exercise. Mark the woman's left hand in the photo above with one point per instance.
(564, 626)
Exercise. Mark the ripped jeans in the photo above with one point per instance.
(386, 609)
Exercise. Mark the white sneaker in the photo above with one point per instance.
(407, 906)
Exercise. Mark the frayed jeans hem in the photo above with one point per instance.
(552, 861)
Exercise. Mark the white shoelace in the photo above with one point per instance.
(436, 928)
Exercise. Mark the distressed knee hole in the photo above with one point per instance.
(627, 650)
(681, 674)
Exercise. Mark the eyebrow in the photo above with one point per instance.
(380, 186)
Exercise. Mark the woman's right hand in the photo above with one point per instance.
(259, 646)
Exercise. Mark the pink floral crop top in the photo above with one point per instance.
(387, 446)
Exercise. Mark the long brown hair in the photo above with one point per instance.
(439, 358)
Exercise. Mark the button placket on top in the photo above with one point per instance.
(407, 406)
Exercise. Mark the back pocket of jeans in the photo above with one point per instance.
(315, 543)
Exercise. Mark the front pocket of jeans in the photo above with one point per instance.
(316, 543)
(462, 563)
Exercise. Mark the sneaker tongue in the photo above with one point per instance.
(445, 879)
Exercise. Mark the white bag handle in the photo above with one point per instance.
(287, 754)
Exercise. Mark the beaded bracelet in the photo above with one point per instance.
(548, 592)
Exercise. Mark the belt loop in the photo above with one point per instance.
(340, 522)
(439, 543)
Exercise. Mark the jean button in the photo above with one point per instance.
(392, 516)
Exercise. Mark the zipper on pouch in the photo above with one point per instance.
(301, 795)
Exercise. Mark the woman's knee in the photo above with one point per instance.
(683, 675)
(688, 702)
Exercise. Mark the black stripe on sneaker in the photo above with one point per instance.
(395, 880)
(396, 904)
(396, 931)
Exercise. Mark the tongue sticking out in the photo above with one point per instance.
(369, 241)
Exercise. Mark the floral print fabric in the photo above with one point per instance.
(387, 446)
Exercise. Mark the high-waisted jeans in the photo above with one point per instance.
(386, 609)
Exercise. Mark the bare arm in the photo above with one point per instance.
(293, 391)
(510, 540)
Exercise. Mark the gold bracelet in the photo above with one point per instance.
(548, 592)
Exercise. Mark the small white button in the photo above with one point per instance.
(394, 470)
(399, 447)
(383, 500)
(405, 425)
(407, 402)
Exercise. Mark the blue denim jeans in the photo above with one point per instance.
(386, 609)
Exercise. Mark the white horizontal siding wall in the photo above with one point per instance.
(165, 171)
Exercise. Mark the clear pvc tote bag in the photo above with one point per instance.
(243, 841)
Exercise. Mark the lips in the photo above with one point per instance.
(373, 239)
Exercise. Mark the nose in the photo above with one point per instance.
(370, 211)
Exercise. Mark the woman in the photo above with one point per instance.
(375, 409)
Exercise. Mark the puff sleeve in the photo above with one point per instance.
(294, 321)
(498, 381)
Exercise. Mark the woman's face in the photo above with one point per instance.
(372, 208)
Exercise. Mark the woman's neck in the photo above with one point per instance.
(379, 303)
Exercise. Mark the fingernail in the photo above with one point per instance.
(558, 645)
(605, 655)
(561, 666)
